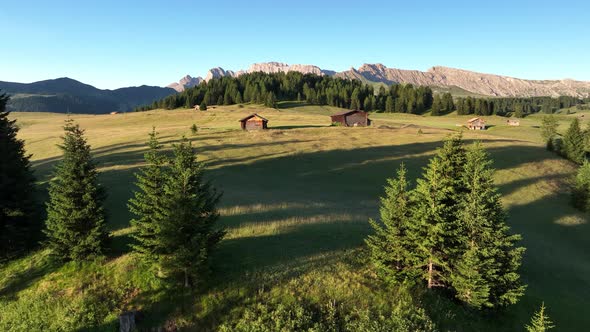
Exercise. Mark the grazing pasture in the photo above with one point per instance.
(296, 202)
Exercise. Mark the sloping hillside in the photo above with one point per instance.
(65, 95)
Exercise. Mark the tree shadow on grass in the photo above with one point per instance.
(25, 277)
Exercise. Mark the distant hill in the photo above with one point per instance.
(439, 78)
(64, 95)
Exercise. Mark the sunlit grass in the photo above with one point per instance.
(295, 202)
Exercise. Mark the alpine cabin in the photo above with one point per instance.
(254, 122)
(353, 118)
(476, 124)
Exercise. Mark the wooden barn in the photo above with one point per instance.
(351, 118)
(476, 124)
(254, 122)
(513, 122)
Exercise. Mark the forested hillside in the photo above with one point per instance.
(65, 95)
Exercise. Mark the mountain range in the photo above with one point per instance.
(441, 77)
(65, 95)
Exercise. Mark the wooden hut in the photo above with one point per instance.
(476, 124)
(513, 122)
(352, 118)
(254, 122)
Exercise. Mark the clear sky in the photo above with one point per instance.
(112, 44)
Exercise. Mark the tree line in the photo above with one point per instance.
(268, 89)
(519, 107)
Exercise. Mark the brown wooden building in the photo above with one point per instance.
(254, 122)
(352, 118)
(476, 124)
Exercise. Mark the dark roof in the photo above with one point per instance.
(346, 112)
(251, 116)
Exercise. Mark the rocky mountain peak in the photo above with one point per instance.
(477, 83)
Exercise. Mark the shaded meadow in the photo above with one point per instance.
(296, 203)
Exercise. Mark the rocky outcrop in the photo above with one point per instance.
(477, 83)
(218, 72)
(185, 82)
(483, 84)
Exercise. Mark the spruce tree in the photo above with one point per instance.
(540, 322)
(203, 106)
(390, 249)
(437, 229)
(389, 104)
(436, 106)
(429, 225)
(581, 188)
(548, 130)
(147, 203)
(17, 186)
(486, 273)
(76, 220)
(574, 143)
(187, 234)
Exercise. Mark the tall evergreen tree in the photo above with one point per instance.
(187, 234)
(429, 227)
(390, 249)
(147, 203)
(540, 322)
(17, 203)
(574, 143)
(76, 220)
(581, 188)
(437, 229)
(436, 106)
(486, 273)
(389, 104)
(548, 130)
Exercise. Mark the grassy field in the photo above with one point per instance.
(296, 203)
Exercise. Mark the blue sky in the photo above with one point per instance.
(112, 44)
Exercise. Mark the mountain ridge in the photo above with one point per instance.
(475, 82)
(68, 95)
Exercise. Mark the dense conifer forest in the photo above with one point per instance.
(268, 89)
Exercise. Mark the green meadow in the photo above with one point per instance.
(296, 200)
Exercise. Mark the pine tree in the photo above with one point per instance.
(147, 203)
(355, 102)
(76, 220)
(574, 143)
(540, 322)
(194, 129)
(389, 105)
(549, 130)
(270, 100)
(203, 106)
(486, 273)
(436, 106)
(187, 233)
(581, 188)
(368, 104)
(427, 231)
(389, 245)
(468, 279)
(17, 187)
(437, 195)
